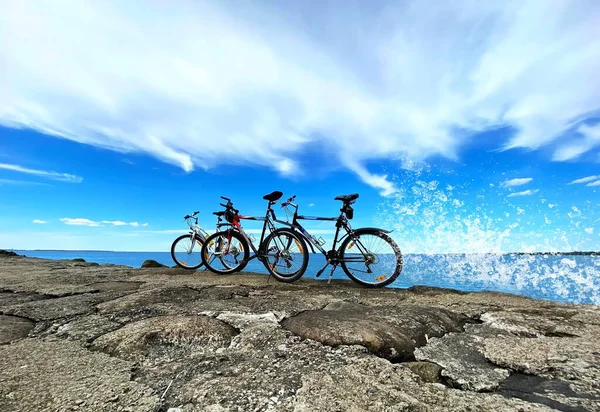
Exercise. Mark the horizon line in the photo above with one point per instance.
(411, 253)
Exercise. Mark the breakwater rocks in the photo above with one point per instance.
(78, 336)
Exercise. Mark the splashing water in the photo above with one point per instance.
(466, 238)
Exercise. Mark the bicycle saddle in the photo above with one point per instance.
(272, 197)
(221, 213)
(347, 198)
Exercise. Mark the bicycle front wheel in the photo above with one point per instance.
(185, 252)
(285, 255)
(225, 252)
(371, 258)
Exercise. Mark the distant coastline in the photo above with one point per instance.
(588, 253)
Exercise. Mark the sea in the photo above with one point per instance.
(565, 278)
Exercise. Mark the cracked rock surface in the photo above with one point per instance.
(78, 336)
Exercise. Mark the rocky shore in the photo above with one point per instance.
(78, 336)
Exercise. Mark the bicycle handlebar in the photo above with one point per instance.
(230, 207)
(226, 198)
(192, 215)
(287, 202)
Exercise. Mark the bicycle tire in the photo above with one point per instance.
(216, 239)
(379, 281)
(182, 263)
(299, 242)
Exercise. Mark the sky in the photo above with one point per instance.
(465, 126)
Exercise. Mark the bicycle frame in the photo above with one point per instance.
(340, 222)
(198, 232)
(268, 220)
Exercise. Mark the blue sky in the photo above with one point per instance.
(463, 126)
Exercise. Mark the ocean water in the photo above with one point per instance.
(563, 278)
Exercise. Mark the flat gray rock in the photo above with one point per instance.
(392, 333)
(84, 328)
(55, 308)
(13, 328)
(462, 361)
(139, 339)
(63, 376)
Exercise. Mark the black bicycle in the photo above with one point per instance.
(367, 255)
(282, 251)
(186, 249)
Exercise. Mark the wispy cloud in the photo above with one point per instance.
(121, 223)
(39, 221)
(21, 182)
(381, 182)
(136, 224)
(79, 221)
(115, 222)
(274, 87)
(63, 177)
(163, 232)
(593, 184)
(311, 204)
(584, 180)
(523, 193)
(516, 182)
(588, 138)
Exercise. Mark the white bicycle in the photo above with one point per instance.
(185, 250)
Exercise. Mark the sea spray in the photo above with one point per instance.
(473, 232)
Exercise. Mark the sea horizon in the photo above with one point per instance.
(587, 252)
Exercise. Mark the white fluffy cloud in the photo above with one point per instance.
(595, 183)
(200, 83)
(519, 181)
(63, 177)
(39, 221)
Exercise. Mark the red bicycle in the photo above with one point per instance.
(281, 250)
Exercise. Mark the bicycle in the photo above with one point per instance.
(283, 253)
(372, 246)
(182, 249)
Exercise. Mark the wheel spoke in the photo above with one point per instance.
(284, 255)
(224, 252)
(372, 259)
(186, 252)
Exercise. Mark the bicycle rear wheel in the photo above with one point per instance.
(371, 258)
(185, 252)
(225, 252)
(285, 255)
